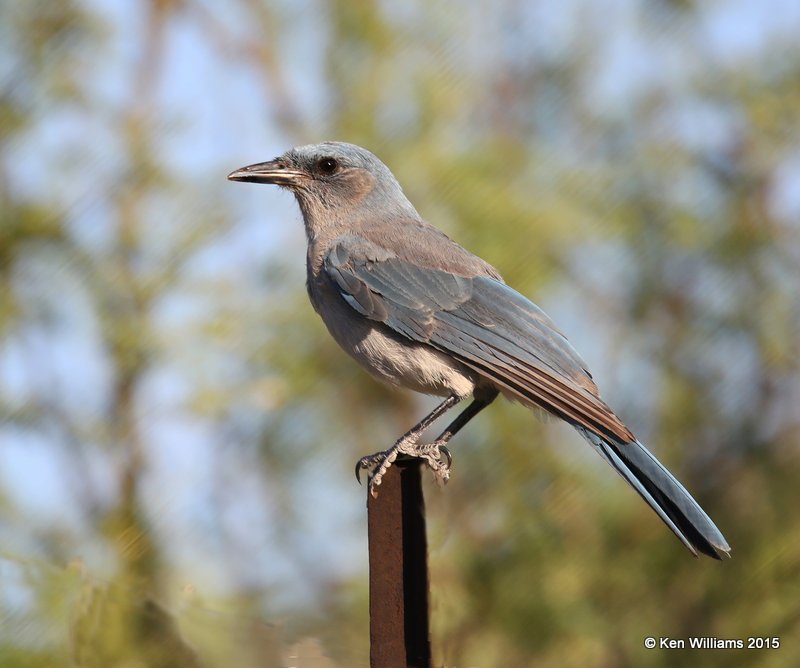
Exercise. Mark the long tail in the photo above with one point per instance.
(663, 493)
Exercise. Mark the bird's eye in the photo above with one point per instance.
(327, 165)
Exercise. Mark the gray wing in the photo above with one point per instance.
(478, 320)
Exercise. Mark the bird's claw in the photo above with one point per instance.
(368, 463)
(444, 451)
(436, 456)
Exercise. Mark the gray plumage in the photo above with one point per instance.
(417, 310)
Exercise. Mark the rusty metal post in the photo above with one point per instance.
(398, 571)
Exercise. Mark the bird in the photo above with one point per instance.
(419, 311)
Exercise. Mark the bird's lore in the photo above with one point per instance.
(417, 310)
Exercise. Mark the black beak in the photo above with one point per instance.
(275, 171)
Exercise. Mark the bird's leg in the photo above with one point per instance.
(439, 446)
(435, 454)
(478, 404)
(380, 462)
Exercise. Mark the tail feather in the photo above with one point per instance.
(663, 493)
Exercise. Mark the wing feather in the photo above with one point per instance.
(480, 321)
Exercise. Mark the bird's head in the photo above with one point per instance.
(331, 180)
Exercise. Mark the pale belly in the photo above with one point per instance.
(391, 358)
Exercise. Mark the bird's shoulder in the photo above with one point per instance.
(414, 242)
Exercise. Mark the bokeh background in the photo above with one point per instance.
(178, 432)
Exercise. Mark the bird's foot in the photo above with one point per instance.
(436, 456)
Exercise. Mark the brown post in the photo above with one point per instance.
(398, 570)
